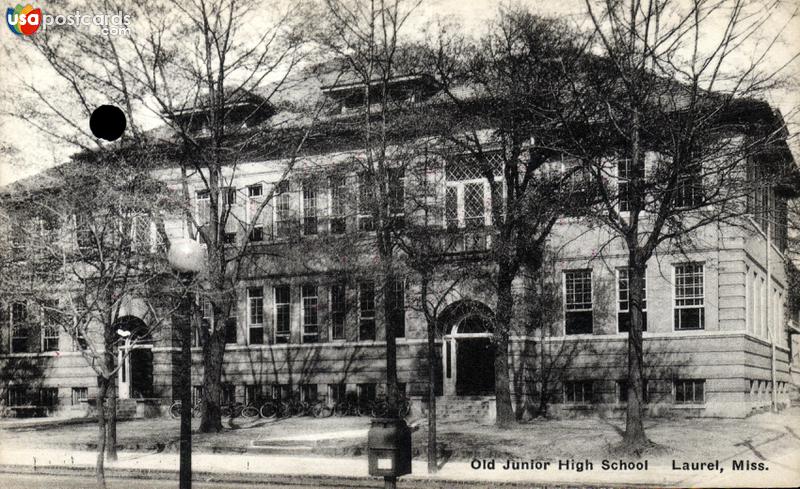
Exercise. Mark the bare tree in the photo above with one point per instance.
(211, 76)
(509, 92)
(82, 249)
(671, 135)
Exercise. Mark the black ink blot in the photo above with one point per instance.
(107, 122)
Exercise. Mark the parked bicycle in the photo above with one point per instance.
(175, 410)
(239, 409)
(379, 408)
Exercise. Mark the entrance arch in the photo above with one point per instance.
(135, 358)
(468, 351)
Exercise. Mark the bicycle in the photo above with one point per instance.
(321, 410)
(274, 409)
(346, 408)
(175, 409)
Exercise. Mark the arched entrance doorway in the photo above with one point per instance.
(135, 358)
(468, 351)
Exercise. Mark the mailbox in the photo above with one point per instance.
(389, 447)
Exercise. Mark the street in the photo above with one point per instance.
(28, 481)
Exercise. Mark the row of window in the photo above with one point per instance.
(21, 395)
(689, 312)
(684, 391)
(255, 394)
(311, 313)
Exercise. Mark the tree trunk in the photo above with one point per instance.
(185, 319)
(213, 351)
(502, 323)
(111, 427)
(635, 438)
(101, 431)
(433, 464)
(391, 349)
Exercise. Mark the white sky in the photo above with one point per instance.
(24, 151)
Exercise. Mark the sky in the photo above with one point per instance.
(25, 151)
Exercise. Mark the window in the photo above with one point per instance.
(79, 395)
(229, 237)
(283, 210)
(468, 189)
(255, 314)
(366, 311)
(623, 315)
(474, 212)
(141, 232)
(197, 394)
(48, 397)
(690, 391)
(578, 302)
(50, 337)
(366, 197)
(281, 391)
(366, 394)
(20, 329)
(252, 395)
(397, 305)
(255, 202)
(451, 207)
(689, 187)
(622, 391)
(338, 205)
(623, 179)
(83, 231)
(228, 393)
(308, 294)
(203, 203)
(578, 392)
(338, 311)
(397, 195)
(336, 393)
(256, 234)
(308, 393)
(282, 314)
(309, 209)
(17, 395)
(230, 330)
(689, 310)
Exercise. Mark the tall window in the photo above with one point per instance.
(690, 391)
(366, 201)
(230, 330)
(397, 306)
(397, 194)
(338, 205)
(17, 395)
(309, 209)
(338, 311)
(622, 391)
(624, 315)
(308, 294)
(309, 393)
(474, 210)
(468, 190)
(50, 337)
(20, 329)
(451, 207)
(283, 210)
(578, 301)
(624, 175)
(255, 314)
(366, 311)
(283, 317)
(689, 187)
(203, 203)
(254, 202)
(689, 303)
(578, 392)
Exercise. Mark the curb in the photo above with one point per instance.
(288, 480)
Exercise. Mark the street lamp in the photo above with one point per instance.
(187, 257)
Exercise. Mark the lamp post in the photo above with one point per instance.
(187, 258)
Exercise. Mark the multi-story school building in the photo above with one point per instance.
(305, 322)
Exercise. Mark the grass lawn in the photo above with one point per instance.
(689, 439)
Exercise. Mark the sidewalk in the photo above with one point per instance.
(781, 472)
